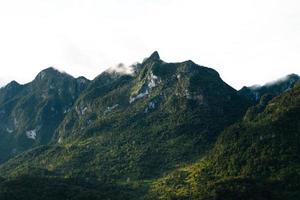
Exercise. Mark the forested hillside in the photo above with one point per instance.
(155, 130)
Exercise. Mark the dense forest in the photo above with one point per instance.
(164, 131)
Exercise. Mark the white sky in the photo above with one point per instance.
(248, 42)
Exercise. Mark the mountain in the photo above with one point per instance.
(153, 130)
(254, 93)
(131, 126)
(134, 127)
(30, 113)
(255, 158)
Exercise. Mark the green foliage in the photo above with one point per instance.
(169, 131)
(257, 158)
(38, 106)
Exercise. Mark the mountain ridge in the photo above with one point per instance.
(180, 94)
(158, 132)
(254, 93)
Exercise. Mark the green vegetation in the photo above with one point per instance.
(30, 113)
(253, 159)
(168, 131)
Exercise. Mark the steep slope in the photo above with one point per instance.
(257, 158)
(274, 88)
(30, 113)
(136, 127)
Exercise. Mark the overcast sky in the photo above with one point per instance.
(248, 42)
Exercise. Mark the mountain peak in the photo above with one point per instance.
(51, 72)
(154, 56)
(12, 84)
(293, 76)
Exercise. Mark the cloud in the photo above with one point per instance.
(291, 77)
(122, 69)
